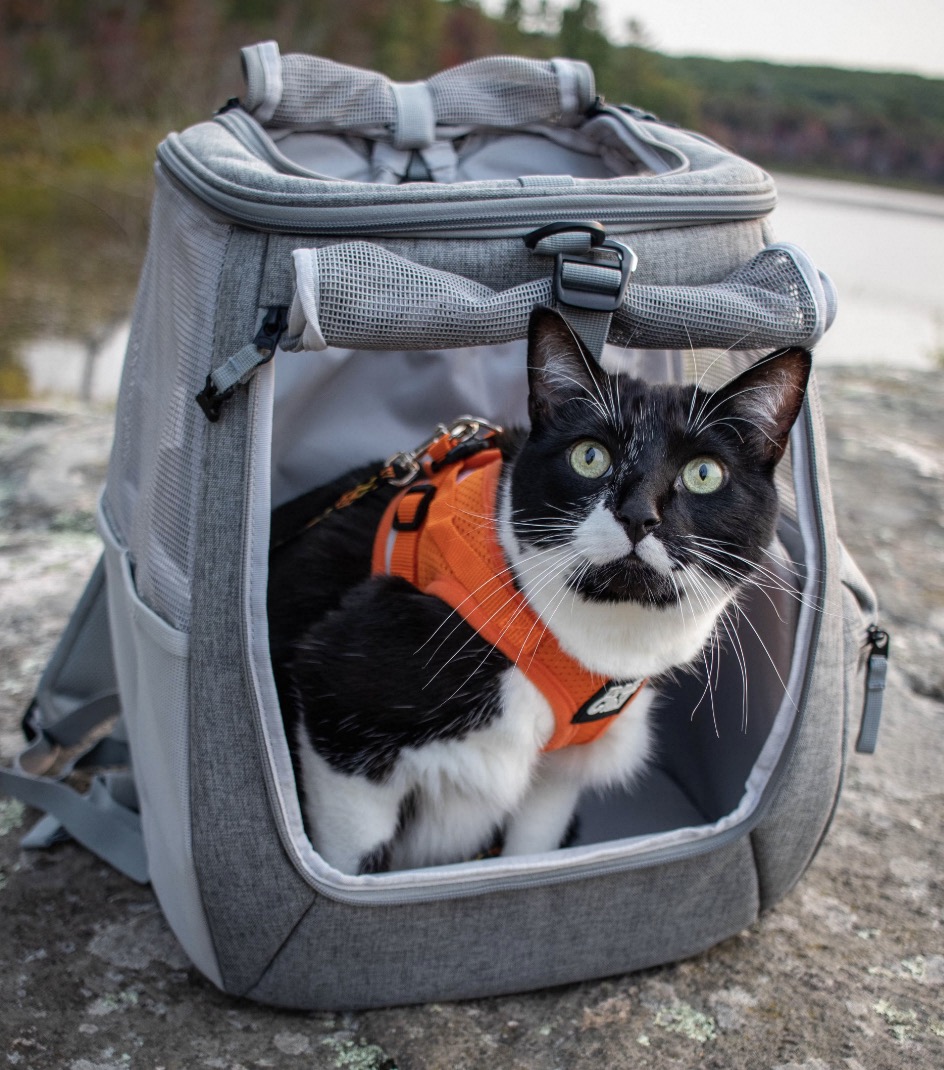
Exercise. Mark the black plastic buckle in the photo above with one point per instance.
(594, 300)
(231, 105)
(211, 400)
(270, 331)
(428, 492)
(597, 232)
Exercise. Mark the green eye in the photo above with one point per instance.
(703, 475)
(590, 459)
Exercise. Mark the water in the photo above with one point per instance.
(64, 367)
(884, 249)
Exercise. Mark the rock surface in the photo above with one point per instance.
(847, 973)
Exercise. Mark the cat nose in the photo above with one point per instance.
(639, 518)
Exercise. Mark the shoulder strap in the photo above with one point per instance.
(76, 693)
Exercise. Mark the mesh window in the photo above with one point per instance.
(151, 496)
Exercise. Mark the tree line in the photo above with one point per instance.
(178, 59)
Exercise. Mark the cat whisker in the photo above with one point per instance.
(543, 576)
(758, 574)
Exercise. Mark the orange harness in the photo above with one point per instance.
(440, 535)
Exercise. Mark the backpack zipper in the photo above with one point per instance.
(337, 208)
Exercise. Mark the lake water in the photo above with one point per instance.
(883, 248)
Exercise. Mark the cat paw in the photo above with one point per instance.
(378, 861)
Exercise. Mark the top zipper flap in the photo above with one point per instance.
(237, 169)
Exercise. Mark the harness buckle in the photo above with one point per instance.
(402, 468)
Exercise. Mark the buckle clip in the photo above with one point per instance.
(402, 468)
(583, 282)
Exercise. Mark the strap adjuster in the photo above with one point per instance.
(591, 283)
(414, 521)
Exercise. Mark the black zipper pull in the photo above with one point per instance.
(240, 368)
(876, 671)
(272, 329)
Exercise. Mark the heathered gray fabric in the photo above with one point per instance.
(359, 295)
(344, 956)
(788, 836)
(229, 167)
(678, 256)
(253, 898)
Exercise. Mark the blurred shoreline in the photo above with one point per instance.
(883, 247)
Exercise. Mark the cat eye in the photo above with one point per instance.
(703, 475)
(590, 459)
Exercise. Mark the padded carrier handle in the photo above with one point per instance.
(311, 93)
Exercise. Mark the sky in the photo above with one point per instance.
(898, 35)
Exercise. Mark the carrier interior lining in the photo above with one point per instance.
(708, 744)
(600, 148)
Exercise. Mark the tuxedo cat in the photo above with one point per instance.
(629, 517)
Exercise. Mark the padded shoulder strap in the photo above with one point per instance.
(77, 692)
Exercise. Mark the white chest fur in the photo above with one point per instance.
(625, 640)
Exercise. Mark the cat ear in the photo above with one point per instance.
(559, 365)
(763, 402)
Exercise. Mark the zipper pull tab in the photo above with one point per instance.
(876, 670)
(240, 368)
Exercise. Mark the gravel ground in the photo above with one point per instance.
(847, 973)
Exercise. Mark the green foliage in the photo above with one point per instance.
(179, 59)
(878, 125)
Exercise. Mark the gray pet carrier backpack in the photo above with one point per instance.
(385, 244)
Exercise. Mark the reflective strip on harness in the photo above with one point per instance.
(440, 535)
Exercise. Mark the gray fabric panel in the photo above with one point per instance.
(790, 833)
(345, 957)
(253, 897)
(362, 296)
(226, 165)
(689, 256)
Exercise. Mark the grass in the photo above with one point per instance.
(74, 206)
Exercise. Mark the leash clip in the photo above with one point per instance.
(402, 468)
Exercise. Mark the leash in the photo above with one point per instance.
(446, 445)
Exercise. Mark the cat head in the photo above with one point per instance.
(647, 493)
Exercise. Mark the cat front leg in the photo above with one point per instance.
(542, 820)
(351, 819)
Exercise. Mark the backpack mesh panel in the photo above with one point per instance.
(151, 494)
(366, 297)
(500, 91)
(321, 93)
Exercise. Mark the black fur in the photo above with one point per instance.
(369, 666)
